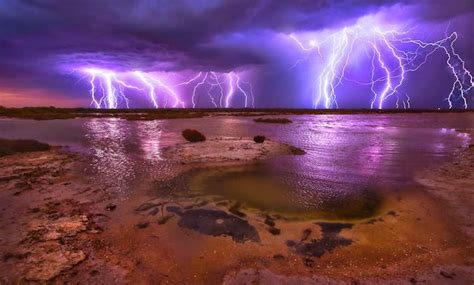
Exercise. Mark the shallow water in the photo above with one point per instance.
(347, 155)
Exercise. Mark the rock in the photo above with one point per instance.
(392, 213)
(57, 229)
(279, 257)
(308, 262)
(47, 262)
(193, 135)
(297, 151)
(110, 207)
(235, 209)
(259, 139)
(274, 231)
(142, 225)
(447, 274)
(34, 210)
(269, 221)
(290, 243)
(306, 234)
(94, 272)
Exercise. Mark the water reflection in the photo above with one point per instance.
(344, 153)
(149, 135)
(110, 159)
(125, 154)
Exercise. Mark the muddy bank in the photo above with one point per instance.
(9, 147)
(60, 225)
(227, 149)
(47, 215)
(454, 183)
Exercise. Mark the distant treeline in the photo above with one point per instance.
(49, 113)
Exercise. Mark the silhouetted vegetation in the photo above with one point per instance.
(274, 120)
(193, 135)
(8, 147)
(52, 113)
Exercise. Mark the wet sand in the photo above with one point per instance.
(58, 226)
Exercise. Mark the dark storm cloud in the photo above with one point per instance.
(174, 31)
(39, 37)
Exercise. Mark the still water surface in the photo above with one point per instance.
(346, 154)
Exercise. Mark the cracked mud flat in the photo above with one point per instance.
(58, 225)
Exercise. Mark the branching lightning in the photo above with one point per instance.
(394, 55)
(108, 88)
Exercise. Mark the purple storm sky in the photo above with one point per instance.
(45, 46)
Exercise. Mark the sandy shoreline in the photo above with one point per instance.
(58, 225)
(454, 183)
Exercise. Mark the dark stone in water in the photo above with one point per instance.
(290, 243)
(193, 136)
(217, 223)
(329, 241)
(297, 151)
(259, 139)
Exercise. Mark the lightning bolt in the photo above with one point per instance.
(196, 88)
(151, 87)
(394, 53)
(113, 86)
(108, 89)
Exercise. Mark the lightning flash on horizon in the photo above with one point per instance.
(392, 54)
(108, 89)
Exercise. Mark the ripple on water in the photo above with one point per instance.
(257, 188)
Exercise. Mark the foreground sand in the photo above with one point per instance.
(58, 226)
